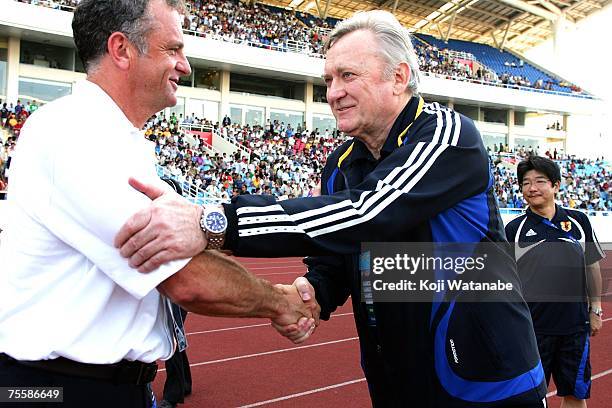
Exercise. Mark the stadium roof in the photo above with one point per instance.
(511, 24)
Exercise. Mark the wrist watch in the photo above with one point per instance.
(214, 224)
(597, 311)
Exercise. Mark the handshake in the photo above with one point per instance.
(301, 317)
(211, 284)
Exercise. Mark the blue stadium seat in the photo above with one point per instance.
(499, 61)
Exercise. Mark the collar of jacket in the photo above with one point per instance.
(560, 215)
(404, 119)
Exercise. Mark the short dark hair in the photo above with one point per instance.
(95, 20)
(540, 164)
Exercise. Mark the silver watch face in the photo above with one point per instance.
(215, 222)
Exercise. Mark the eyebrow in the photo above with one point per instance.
(342, 68)
(535, 178)
(175, 44)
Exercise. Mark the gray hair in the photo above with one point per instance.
(395, 41)
(95, 20)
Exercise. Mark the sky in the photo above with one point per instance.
(585, 58)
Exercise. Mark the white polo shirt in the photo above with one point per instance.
(64, 289)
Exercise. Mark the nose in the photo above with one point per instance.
(335, 92)
(183, 66)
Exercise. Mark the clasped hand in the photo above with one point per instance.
(303, 306)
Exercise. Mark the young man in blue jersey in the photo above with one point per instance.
(557, 255)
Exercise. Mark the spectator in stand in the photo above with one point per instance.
(226, 121)
(18, 108)
(32, 107)
(2, 189)
(4, 114)
(586, 184)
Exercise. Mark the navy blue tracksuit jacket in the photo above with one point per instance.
(432, 183)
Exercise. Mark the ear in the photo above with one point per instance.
(120, 50)
(401, 78)
(557, 186)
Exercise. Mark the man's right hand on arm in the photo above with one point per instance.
(167, 230)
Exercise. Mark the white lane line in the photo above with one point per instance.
(266, 353)
(229, 328)
(602, 374)
(250, 326)
(269, 261)
(275, 267)
(282, 273)
(301, 394)
(268, 324)
(594, 377)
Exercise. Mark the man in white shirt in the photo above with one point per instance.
(73, 313)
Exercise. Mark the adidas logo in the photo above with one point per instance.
(530, 233)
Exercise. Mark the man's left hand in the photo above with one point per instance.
(596, 323)
(165, 231)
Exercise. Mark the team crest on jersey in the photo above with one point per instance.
(566, 226)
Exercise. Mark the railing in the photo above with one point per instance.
(322, 30)
(244, 151)
(201, 128)
(191, 192)
(297, 47)
(53, 5)
(463, 55)
(508, 86)
(209, 148)
(590, 213)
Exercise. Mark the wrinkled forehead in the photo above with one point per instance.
(354, 60)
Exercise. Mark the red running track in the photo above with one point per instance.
(244, 362)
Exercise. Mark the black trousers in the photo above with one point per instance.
(178, 373)
(78, 392)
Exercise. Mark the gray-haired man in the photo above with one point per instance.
(413, 172)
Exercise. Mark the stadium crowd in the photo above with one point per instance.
(12, 119)
(585, 184)
(436, 61)
(252, 23)
(67, 5)
(286, 162)
(270, 27)
(442, 62)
